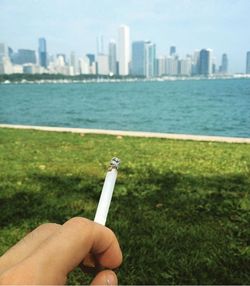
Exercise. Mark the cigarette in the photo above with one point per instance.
(107, 192)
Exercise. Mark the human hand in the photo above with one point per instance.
(51, 251)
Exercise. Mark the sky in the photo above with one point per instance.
(73, 25)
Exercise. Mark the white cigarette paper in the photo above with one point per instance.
(107, 192)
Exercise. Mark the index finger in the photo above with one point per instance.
(68, 247)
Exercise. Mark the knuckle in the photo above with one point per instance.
(49, 227)
(79, 221)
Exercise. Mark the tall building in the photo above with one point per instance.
(91, 58)
(144, 59)
(84, 65)
(248, 63)
(6, 65)
(25, 56)
(172, 65)
(74, 63)
(63, 56)
(42, 52)
(150, 59)
(195, 62)
(3, 53)
(205, 62)
(224, 64)
(185, 66)
(60, 63)
(123, 50)
(92, 63)
(161, 66)
(172, 51)
(213, 69)
(112, 57)
(102, 64)
(139, 58)
(10, 53)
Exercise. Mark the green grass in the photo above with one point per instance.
(180, 209)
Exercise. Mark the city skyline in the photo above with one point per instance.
(74, 25)
(143, 62)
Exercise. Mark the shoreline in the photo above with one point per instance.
(66, 79)
(131, 133)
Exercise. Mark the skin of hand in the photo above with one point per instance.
(51, 251)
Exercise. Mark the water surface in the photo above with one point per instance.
(204, 107)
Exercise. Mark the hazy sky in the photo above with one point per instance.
(73, 25)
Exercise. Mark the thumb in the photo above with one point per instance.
(105, 277)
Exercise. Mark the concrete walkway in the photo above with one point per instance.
(132, 133)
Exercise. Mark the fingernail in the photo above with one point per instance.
(111, 279)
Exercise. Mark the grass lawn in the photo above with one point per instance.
(181, 209)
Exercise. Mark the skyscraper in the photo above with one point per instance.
(150, 59)
(10, 53)
(74, 63)
(3, 58)
(205, 62)
(25, 56)
(92, 63)
(3, 50)
(63, 56)
(195, 62)
(213, 70)
(172, 50)
(112, 57)
(248, 63)
(161, 66)
(144, 59)
(138, 58)
(171, 65)
(102, 64)
(91, 58)
(123, 50)
(84, 65)
(42, 51)
(224, 64)
(185, 66)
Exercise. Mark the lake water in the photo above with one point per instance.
(204, 107)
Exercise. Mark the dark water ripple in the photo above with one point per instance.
(206, 107)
